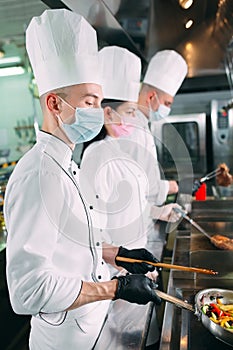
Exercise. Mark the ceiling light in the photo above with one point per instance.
(189, 24)
(185, 4)
(9, 60)
(4, 72)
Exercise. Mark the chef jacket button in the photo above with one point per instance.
(74, 172)
(102, 262)
(91, 207)
(97, 196)
(97, 243)
(101, 230)
(99, 277)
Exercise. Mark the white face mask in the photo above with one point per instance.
(162, 112)
(88, 123)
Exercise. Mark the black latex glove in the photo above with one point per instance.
(196, 185)
(141, 254)
(136, 289)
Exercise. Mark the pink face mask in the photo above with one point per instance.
(122, 129)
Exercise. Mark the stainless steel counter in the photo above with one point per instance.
(181, 329)
(127, 325)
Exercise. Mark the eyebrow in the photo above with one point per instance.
(91, 95)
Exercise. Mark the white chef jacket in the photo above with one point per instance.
(52, 248)
(140, 145)
(120, 191)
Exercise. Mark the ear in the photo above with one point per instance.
(151, 96)
(108, 114)
(53, 103)
(153, 100)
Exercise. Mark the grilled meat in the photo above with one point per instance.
(224, 178)
(222, 242)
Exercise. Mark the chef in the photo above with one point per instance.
(117, 183)
(165, 74)
(56, 261)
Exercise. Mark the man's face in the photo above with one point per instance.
(85, 96)
(165, 99)
(82, 96)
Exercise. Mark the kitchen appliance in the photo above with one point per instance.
(181, 145)
(222, 132)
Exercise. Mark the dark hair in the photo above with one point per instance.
(103, 133)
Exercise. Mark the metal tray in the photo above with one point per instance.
(218, 260)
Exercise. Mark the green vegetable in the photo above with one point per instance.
(205, 308)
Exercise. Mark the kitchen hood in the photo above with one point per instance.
(147, 26)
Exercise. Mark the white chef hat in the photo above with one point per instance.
(166, 71)
(121, 72)
(62, 48)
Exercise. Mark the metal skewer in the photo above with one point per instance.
(191, 221)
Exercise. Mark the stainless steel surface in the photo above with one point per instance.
(222, 192)
(219, 260)
(154, 25)
(144, 28)
(212, 210)
(206, 297)
(182, 329)
(190, 154)
(127, 324)
(222, 133)
(100, 14)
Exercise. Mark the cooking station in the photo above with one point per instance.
(181, 328)
(127, 325)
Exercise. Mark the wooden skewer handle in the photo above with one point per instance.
(168, 266)
(174, 300)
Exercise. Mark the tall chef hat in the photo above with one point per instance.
(166, 71)
(121, 72)
(62, 48)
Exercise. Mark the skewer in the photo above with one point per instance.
(192, 222)
(178, 302)
(168, 266)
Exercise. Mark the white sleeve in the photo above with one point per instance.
(33, 228)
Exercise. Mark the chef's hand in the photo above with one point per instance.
(172, 187)
(166, 212)
(196, 185)
(136, 289)
(141, 254)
